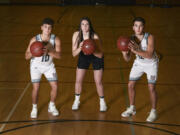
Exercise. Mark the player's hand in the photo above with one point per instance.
(80, 45)
(133, 46)
(45, 50)
(126, 53)
(48, 48)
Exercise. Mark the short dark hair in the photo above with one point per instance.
(48, 21)
(139, 19)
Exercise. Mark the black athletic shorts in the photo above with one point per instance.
(85, 60)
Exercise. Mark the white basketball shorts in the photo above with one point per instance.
(138, 69)
(36, 72)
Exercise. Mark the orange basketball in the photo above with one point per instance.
(88, 47)
(36, 49)
(122, 43)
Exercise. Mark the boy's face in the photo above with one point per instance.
(46, 29)
(138, 28)
(85, 26)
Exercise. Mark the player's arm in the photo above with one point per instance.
(145, 54)
(28, 54)
(75, 48)
(126, 55)
(55, 52)
(98, 42)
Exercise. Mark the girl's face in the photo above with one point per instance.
(85, 26)
(138, 28)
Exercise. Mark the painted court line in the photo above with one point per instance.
(126, 98)
(15, 106)
(6, 88)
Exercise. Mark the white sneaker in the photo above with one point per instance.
(103, 107)
(34, 113)
(129, 111)
(152, 116)
(52, 109)
(75, 105)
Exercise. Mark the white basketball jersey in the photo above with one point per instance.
(44, 60)
(143, 46)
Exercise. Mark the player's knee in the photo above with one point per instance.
(152, 89)
(78, 82)
(98, 82)
(35, 88)
(131, 86)
(54, 87)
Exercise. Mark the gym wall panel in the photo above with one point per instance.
(35, 1)
(159, 2)
(4, 1)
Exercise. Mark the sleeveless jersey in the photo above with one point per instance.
(44, 60)
(143, 46)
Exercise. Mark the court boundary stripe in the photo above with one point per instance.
(6, 88)
(120, 121)
(106, 121)
(15, 106)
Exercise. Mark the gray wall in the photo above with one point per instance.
(4, 1)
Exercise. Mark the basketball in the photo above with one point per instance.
(122, 43)
(88, 46)
(37, 49)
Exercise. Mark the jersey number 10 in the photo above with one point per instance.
(45, 58)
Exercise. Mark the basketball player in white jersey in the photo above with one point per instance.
(44, 65)
(146, 62)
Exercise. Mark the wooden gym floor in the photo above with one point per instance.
(19, 23)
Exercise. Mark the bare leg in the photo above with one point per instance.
(52, 108)
(98, 80)
(100, 89)
(131, 92)
(54, 88)
(80, 73)
(153, 95)
(35, 100)
(35, 93)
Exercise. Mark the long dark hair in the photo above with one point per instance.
(91, 30)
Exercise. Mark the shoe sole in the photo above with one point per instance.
(103, 110)
(125, 116)
(52, 113)
(32, 117)
(150, 120)
(75, 109)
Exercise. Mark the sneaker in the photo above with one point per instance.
(75, 105)
(52, 109)
(34, 113)
(129, 111)
(152, 116)
(103, 107)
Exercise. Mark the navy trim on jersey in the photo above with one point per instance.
(51, 40)
(146, 37)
